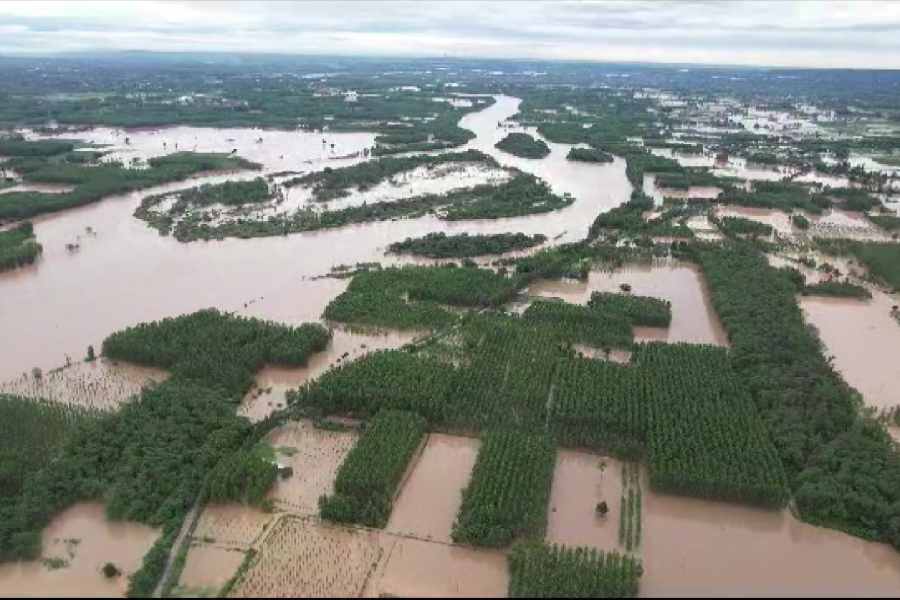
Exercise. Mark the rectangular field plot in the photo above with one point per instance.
(207, 569)
(419, 569)
(303, 558)
(231, 525)
(431, 496)
(579, 484)
(315, 456)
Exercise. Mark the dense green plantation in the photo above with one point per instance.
(218, 349)
(95, 182)
(367, 480)
(410, 297)
(841, 289)
(739, 226)
(538, 570)
(684, 406)
(582, 324)
(777, 195)
(508, 492)
(882, 259)
(589, 155)
(389, 379)
(844, 469)
(329, 183)
(523, 146)
(244, 476)
(18, 247)
(40, 430)
(441, 245)
(640, 310)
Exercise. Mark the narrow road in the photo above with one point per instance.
(186, 527)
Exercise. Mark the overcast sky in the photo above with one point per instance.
(810, 34)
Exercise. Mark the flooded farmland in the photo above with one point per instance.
(125, 272)
(102, 270)
(82, 540)
(693, 317)
(863, 337)
(696, 548)
(430, 498)
(580, 482)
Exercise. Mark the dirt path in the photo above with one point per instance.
(186, 528)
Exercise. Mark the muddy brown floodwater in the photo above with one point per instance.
(125, 272)
(864, 339)
(83, 538)
(432, 495)
(580, 481)
(693, 318)
(701, 548)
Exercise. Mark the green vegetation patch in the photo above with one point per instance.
(41, 429)
(229, 193)
(18, 247)
(386, 379)
(882, 259)
(523, 146)
(582, 324)
(640, 310)
(441, 245)
(684, 406)
(367, 480)
(244, 476)
(95, 182)
(778, 195)
(740, 226)
(886, 222)
(329, 183)
(839, 289)
(219, 349)
(410, 297)
(507, 496)
(589, 155)
(843, 468)
(538, 570)
(19, 146)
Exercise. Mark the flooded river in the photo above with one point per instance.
(125, 272)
